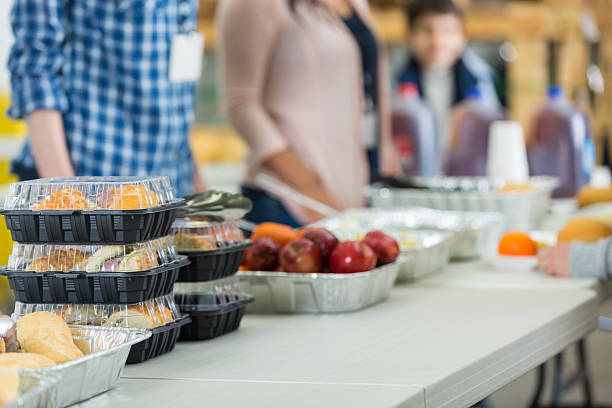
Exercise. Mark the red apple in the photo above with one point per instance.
(325, 240)
(386, 248)
(351, 257)
(262, 256)
(300, 255)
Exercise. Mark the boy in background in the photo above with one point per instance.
(444, 70)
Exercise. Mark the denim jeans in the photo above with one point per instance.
(267, 209)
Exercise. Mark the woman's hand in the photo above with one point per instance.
(389, 160)
(555, 261)
(288, 166)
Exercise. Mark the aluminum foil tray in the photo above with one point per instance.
(282, 292)
(476, 233)
(422, 252)
(524, 210)
(35, 391)
(98, 371)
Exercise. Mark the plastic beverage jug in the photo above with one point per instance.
(469, 141)
(414, 132)
(561, 144)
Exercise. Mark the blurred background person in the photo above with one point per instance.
(441, 66)
(92, 79)
(304, 83)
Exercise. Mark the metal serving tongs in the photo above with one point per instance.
(215, 206)
(278, 188)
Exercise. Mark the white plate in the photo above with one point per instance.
(520, 264)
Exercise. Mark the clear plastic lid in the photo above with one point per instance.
(195, 236)
(204, 296)
(145, 315)
(89, 193)
(92, 258)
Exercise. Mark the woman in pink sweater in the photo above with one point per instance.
(293, 79)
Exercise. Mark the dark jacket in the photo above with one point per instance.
(469, 71)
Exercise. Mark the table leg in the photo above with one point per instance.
(562, 384)
(558, 384)
(540, 380)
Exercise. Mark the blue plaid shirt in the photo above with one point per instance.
(104, 65)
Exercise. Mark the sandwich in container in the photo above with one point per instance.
(54, 273)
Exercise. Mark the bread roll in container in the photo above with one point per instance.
(214, 249)
(90, 209)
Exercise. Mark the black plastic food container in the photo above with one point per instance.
(93, 288)
(91, 227)
(162, 341)
(209, 322)
(212, 265)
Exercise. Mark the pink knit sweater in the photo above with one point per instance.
(292, 80)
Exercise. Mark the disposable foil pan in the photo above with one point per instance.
(431, 255)
(476, 233)
(98, 371)
(524, 210)
(281, 292)
(422, 252)
(36, 391)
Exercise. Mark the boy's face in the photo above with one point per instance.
(437, 40)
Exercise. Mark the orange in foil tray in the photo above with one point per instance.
(63, 200)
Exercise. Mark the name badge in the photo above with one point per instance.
(186, 55)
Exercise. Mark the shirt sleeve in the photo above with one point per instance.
(591, 260)
(248, 33)
(36, 58)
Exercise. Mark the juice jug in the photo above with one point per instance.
(561, 144)
(414, 132)
(469, 141)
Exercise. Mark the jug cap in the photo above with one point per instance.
(408, 89)
(555, 92)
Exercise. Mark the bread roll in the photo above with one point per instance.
(2, 346)
(24, 361)
(131, 318)
(47, 334)
(589, 196)
(141, 316)
(138, 260)
(191, 242)
(9, 385)
(57, 260)
(584, 230)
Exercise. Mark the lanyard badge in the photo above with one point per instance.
(186, 51)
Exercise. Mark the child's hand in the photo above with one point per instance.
(555, 261)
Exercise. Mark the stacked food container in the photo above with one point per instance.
(96, 252)
(206, 288)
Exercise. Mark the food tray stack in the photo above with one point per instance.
(98, 244)
(207, 288)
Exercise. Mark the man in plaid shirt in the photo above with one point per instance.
(91, 77)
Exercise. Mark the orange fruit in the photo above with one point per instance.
(63, 200)
(130, 197)
(281, 233)
(302, 231)
(517, 243)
